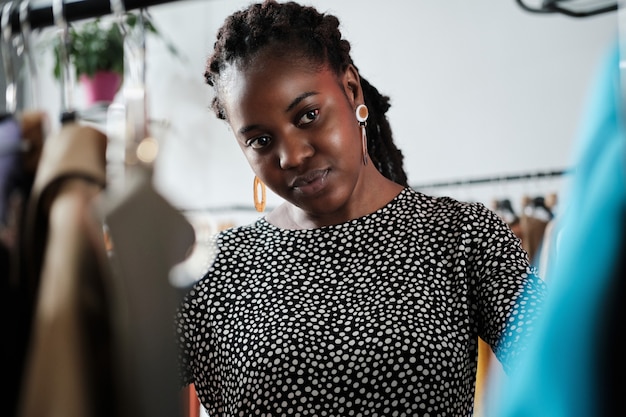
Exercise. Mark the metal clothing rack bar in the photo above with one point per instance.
(40, 15)
(495, 179)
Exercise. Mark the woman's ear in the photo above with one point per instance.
(352, 85)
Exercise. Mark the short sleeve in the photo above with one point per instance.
(510, 292)
(185, 334)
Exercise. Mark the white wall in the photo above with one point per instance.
(478, 87)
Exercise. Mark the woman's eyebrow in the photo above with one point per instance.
(291, 105)
(298, 99)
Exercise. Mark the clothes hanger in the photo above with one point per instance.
(504, 208)
(29, 59)
(68, 112)
(536, 208)
(135, 91)
(571, 8)
(7, 59)
(34, 121)
(15, 46)
(149, 237)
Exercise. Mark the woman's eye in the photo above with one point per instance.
(259, 142)
(308, 117)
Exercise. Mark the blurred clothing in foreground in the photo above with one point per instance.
(572, 368)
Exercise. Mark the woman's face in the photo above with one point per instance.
(296, 125)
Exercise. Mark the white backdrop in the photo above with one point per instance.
(479, 88)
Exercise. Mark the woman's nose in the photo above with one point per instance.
(293, 151)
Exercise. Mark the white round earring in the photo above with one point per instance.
(362, 114)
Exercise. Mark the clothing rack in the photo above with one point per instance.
(472, 181)
(41, 15)
(494, 179)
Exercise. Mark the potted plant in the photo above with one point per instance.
(95, 50)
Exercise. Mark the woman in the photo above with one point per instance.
(357, 295)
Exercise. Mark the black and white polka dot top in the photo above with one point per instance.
(378, 316)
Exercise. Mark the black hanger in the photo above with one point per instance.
(505, 210)
(536, 207)
(572, 8)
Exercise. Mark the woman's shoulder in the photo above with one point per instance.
(446, 206)
(240, 234)
(243, 229)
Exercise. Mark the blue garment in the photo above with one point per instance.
(10, 138)
(560, 377)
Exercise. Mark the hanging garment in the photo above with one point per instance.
(533, 221)
(548, 247)
(10, 150)
(149, 237)
(486, 360)
(21, 140)
(9, 171)
(34, 124)
(70, 368)
(568, 371)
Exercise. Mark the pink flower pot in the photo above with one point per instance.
(102, 87)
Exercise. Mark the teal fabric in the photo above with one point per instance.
(560, 376)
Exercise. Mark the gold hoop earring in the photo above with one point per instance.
(259, 205)
(362, 114)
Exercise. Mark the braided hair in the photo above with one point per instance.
(317, 36)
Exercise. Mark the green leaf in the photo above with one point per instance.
(97, 45)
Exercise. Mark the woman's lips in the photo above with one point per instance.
(311, 182)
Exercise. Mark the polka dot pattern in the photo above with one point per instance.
(378, 316)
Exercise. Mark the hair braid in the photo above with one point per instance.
(319, 39)
(382, 150)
